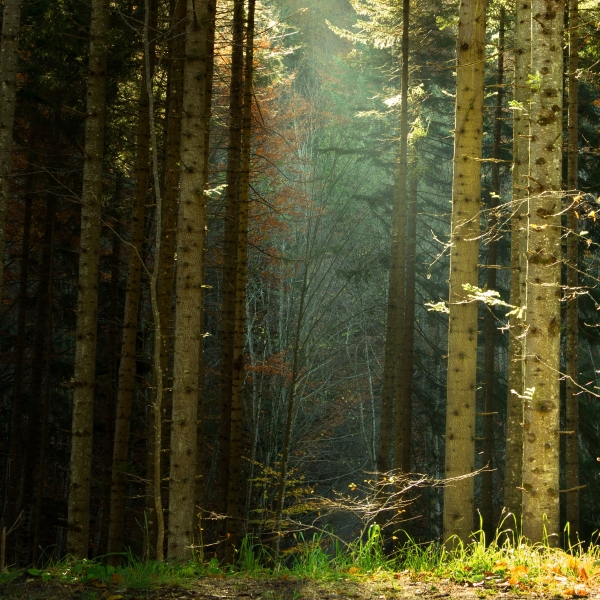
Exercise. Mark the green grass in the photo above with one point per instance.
(507, 561)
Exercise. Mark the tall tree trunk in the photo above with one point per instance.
(111, 383)
(15, 480)
(9, 58)
(234, 508)
(42, 345)
(462, 331)
(87, 298)
(406, 371)
(487, 478)
(166, 260)
(211, 7)
(402, 400)
(230, 250)
(188, 323)
(518, 240)
(571, 350)
(541, 419)
(127, 367)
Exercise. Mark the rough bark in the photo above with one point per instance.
(487, 478)
(541, 418)
(514, 401)
(234, 508)
(9, 58)
(572, 325)
(402, 427)
(87, 298)
(462, 331)
(188, 324)
(230, 249)
(127, 366)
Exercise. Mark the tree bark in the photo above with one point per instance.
(572, 325)
(402, 425)
(9, 58)
(541, 419)
(127, 367)
(234, 508)
(166, 260)
(487, 478)
(87, 299)
(518, 240)
(230, 249)
(462, 331)
(188, 323)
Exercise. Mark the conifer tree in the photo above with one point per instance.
(462, 332)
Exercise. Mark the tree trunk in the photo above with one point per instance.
(188, 323)
(406, 371)
(9, 58)
(234, 509)
(42, 345)
(541, 420)
(462, 331)
(402, 430)
(15, 479)
(166, 260)
(487, 478)
(127, 367)
(87, 299)
(111, 383)
(572, 325)
(230, 250)
(518, 240)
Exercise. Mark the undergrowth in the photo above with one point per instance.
(505, 563)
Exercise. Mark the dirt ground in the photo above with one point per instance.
(398, 587)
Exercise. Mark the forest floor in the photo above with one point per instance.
(379, 587)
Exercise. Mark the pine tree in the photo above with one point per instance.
(541, 414)
(87, 299)
(462, 332)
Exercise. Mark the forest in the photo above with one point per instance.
(275, 268)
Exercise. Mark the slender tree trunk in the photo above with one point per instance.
(402, 400)
(42, 345)
(188, 323)
(15, 479)
(87, 299)
(230, 250)
(111, 384)
(571, 350)
(406, 371)
(487, 478)
(9, 58)
(211, 8)
(234, 508)
(462, 332)
(541, 420)
(127, 367)
(166, 261)
(518, 240)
